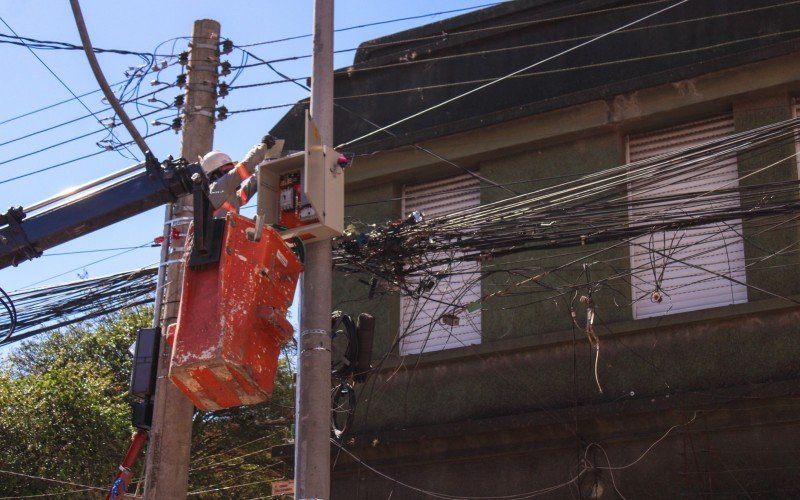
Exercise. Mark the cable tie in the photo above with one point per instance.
(170, 262)
(201, 87)
(314, 349)
(178, 220)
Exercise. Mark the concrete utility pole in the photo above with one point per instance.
(167, 466)
(313, 403)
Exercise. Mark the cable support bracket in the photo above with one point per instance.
(210, 67)
(178, 220)
(202, 112)
(200, 45)
(314, 349)
(201, 87)
(313, 331)
(170, 262)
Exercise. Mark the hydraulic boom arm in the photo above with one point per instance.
(23, 238)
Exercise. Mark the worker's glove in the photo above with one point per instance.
(254, 157)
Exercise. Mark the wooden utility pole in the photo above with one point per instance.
(313, 404)
(167, 466)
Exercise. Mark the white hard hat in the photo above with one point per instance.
(213, 160)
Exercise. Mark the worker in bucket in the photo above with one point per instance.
(232, 184)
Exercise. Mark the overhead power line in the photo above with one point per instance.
(512, 74)
(47, 44)
(73, 160)
(365, 66)
(356, 68)
(95, 250)
(63, 84)
(45, 309)
(82, 117)
(50, 480)
(58, 103)
(101, 80)
(263, 108)
(73, 139)
(451, 34)
(590, 209)
(377, 23)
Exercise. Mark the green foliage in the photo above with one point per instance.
(64, 414)
(64, 407)
(61, 424)
(103, 343)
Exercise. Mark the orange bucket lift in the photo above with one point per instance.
(232, 319)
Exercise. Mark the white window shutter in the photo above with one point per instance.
(707, 253)
(422, 328)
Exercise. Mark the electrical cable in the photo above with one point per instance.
(49, 106)
(343, 402)
(45, 44)
(73, 120)
(48, 308)
(56, 104)
(367, 64)
(47, 479)
(666, 164)
(229, 450)
(585, 467)
(73, 160)
(355, 68)
(263, 108)
(510, 75)
(345, 366)
(11, 310)
(378, 23)
(416, 146)
(96, 250)
(88, 264)
(226, 488)
(51, 494)
(59, 79)
(101, 80)
(229, 460)
(421, 88)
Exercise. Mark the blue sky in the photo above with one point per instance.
(143, 26)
